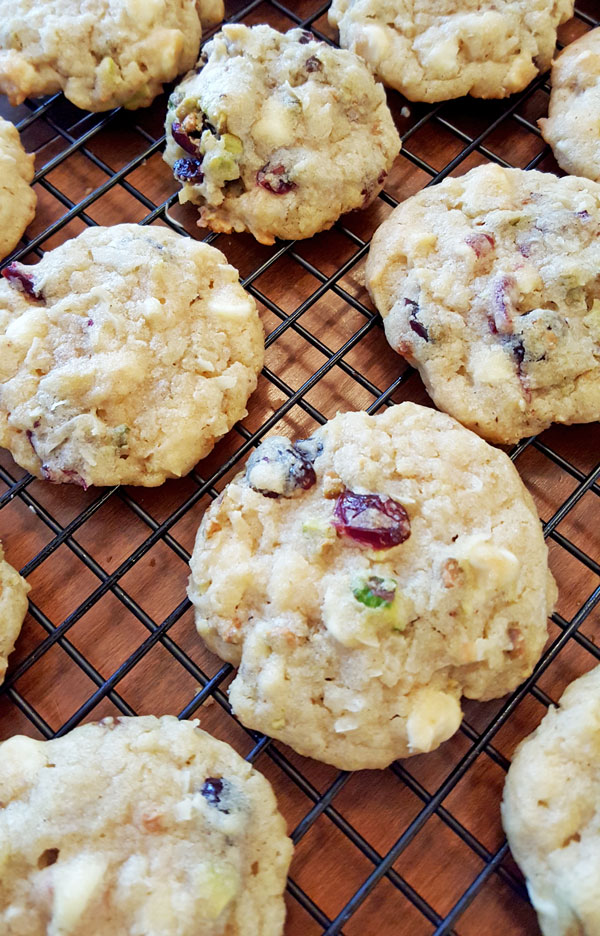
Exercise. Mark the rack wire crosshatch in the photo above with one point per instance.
(414, 849)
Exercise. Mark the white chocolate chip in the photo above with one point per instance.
(75, 882)
(434, 717)
(371, 43)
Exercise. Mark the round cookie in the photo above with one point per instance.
(572, 128)
(489, 284)
(125, 353)
(434, 50)
(13, 608)
(363, 580)
(551, 814)
(101, 53)
(278, 134)
(17, 198)
(143, 825)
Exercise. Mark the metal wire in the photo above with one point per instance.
(72, 133)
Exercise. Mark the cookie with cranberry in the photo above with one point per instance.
(138, 825)
(490, 284)
(101, 53)
(551, 814)
(433, 50)
(366, 578)
(13, 608)
(17, 198)
(572, 128)
(278, 134)
(125, 354)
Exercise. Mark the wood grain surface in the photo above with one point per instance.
(110, 629)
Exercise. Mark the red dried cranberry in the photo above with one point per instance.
(17, 275)
(275, 179)
(62, 475)
(212, 789)
(481, 243)
(504, 300)
(183, 139)
(371, 519)
(416, 326)
(291, 466)
(188, 170)
(313, 64)
(305, 37)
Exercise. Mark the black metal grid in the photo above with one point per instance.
(70, 132)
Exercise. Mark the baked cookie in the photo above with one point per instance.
(366, 578)
(143, 825)
(13, 608)
(101, 53)
(433, 50)
(490, 285)
(551, 812)
(211, 12)
(278, 134)
(124, 355)
(17, 198)
(572, 128)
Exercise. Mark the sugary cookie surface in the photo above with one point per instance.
(489, 283)
(366, 578)
(13, 607)
(17, 198)
(124, 355)
(101, 53)
(433, 50)
(138, 825)
(551, 816)
(278, 134)
(572, 128)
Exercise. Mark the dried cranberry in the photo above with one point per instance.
(215, 790)
(481, 243)
(275, 179)
(29, 435)
(313, 64)
(212, 789)
(305, 37)
(278, 468)
(371, 519)
(183, 139)
(188, 170)
(17, 275)
(584, 215)
(504, 300)
(416, 326)
(63, 475)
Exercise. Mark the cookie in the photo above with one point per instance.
(142, 825)
(489, 284)
(125, 353)
(366, 578)
(434, 50)
(551, 816)
(211, 12)
(101, 53)
(13, 608)
(572, 127)
(17, 198)
(278, 134)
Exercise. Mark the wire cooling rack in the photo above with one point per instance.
(414, 849)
